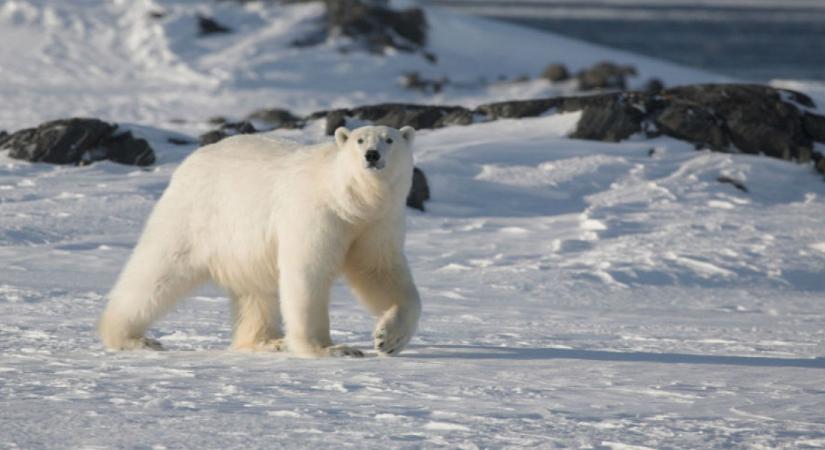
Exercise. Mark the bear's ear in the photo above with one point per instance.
(408, 133)
(341, 136)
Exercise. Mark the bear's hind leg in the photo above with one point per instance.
(257, 322)
(148, 287)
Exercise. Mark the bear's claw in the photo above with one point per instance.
(389, 345)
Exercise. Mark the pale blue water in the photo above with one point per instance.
(782, 40)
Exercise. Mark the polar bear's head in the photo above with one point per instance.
(377, 148)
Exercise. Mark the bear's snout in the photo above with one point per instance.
(372, 156)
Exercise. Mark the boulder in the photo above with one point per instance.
(208, 26)
(556, 73)
(124, 148)
(420, 190)
(275, 118)
(605, 75)
(210, 137)
(610, 118)
(226, 130)
(77, 141)
(693, 124)
(815, 126)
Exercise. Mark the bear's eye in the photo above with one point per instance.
(389, 140)
(360, 141)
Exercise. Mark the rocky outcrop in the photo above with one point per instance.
(396, 115)
(742, 118)
(721, 117)
(372, 25)
(77, 141)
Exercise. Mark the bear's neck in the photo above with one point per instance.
(359, 195)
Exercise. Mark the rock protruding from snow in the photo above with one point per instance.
(420, 190)
(556, 72)
(276, 118)
(226, 130)
(742, 118)
(373, 25)
(397, 115)
(208, 26)
(77, 141)
(605, 75)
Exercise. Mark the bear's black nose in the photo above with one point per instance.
(372, 156)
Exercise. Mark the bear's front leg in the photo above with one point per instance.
(390, 293)
(307, 271)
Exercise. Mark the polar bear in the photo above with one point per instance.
(275, 223)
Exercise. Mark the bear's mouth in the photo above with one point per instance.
(374, 165)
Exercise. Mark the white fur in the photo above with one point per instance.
(275, 222)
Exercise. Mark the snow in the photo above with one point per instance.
(577, 294)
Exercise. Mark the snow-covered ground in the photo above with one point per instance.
(577, 294)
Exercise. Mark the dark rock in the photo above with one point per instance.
(276, 118)
(226, 130)
(77, 141)
(605, 75)
(217, 120)
(243, 127)
(420, 190)
(372, 25)
(396, 115)
(210, 137)
(208, 25)
(756, 119)
(693, 124)
(736, 183)
(414, 80)
(654, 86)
(459, 116)
(124, 148)
(814, 126)
(556, 73)
(59, 141)
(179, 141)
(3, 135)
(335, 119)
(157, 14)
(609, 118)
(518, 109)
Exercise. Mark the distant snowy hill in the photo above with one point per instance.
(576, 293)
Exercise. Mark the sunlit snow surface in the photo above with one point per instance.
(577, 294)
